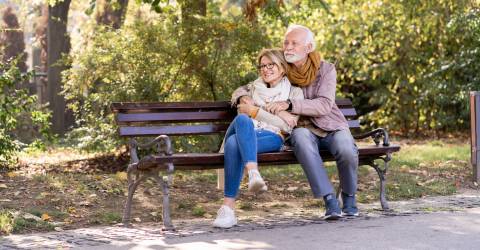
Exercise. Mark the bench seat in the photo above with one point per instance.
(164, 119)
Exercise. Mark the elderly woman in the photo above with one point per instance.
(255, 130)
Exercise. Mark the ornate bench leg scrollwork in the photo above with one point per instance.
(164, 147)
(383, 181)
(139, 170)
(134, 179)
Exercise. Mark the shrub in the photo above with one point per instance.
(156, 61)
(17, 107)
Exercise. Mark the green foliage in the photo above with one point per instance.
(21, 225)
(6, 222)
(198, 211)
(162, 60)
(408, 65)
(106, 218)
(17, 108)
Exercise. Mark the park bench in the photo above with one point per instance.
(164, 119)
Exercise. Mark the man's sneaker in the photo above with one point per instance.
(333, 210)
(225, 218)
(349, 205)
(255, 182)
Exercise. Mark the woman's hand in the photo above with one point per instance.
(288, 118)
(277, 107)
(246, 100)
(246, 108)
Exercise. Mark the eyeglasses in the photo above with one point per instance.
(268, 66)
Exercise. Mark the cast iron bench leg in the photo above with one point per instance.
(383, 181)
(165, 182)
(132, 186)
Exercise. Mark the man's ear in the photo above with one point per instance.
(309, 47)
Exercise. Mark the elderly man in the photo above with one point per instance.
(322, 125)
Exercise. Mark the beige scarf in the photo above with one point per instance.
(305, 75)
(262, 95)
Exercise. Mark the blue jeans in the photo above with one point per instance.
(341, 145)
(242, 144)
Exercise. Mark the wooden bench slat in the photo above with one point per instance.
(199, 161)
(127, 107)
(349, 112)
(117, 106)
(172, 130)
(354, 123)
(175, 117)
(147, 116)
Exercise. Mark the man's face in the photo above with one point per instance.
(294, 46)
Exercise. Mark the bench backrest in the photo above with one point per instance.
(188, 118)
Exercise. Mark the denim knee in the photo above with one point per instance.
(302, 137)
(242, 119)
(345, 146)
(231, 145)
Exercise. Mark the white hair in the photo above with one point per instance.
(310, 37)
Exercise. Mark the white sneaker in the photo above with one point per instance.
(256, 182)
(225, 217)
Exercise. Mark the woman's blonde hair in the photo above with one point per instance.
(276, 56)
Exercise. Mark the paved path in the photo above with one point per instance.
(451, 222)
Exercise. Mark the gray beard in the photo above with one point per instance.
(293, 58)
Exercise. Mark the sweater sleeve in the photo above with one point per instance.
(272, 119)
(239, 92)
(322, 99)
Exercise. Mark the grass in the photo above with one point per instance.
(10, 222)
(105, 217)
(6, 222)
(432, 168)
(25, 225)
(80, 195)
(198, 211)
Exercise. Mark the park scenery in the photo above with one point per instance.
(407, 66)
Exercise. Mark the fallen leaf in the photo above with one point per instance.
(3, 186)
(71, 210)
(85, 203)
(5, 200)
(58, 229)
(31, 216)
(154, 214)
(46, 217)
(12, 174)
(207, 215)
(17, 193)
(292, 189)
(137, 219)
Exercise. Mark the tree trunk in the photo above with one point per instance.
(58, 44)
(11, 41)
(111, 16)
(40, 58)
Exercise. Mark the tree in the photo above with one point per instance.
(41, 25)
(12, 40)
(58, 45)
(111, 13)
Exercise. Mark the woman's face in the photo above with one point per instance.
(269, 71)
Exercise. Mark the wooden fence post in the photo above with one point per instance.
(475, 132)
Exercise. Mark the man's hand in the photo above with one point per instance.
(246, 108)
(246, 100)
(276, 107)
(288, 118)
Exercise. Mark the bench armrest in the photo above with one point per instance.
(162, 142)
(163, 147)
(376, 134)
